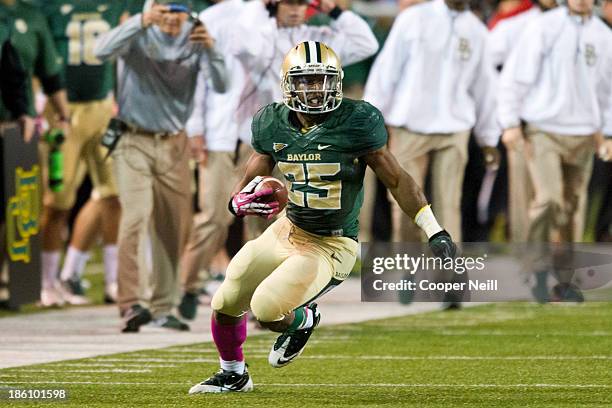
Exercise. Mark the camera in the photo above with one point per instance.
(113, 133)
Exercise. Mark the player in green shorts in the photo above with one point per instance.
(322, 143)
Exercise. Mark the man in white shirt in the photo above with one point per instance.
(254, 38)
(503, 38)
(433, 82)
(507, 31)
(557, 79)
(267, 29)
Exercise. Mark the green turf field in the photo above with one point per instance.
(504, 355)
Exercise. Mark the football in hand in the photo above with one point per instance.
(279, 191)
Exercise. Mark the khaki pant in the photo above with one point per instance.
(154, 190)
(520, 194)
(284, 268)
(210, 226)
(560, 167)
(83, 155)
(447, 154)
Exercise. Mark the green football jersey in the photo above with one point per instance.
(75, 25)
(31, 38)
(324, 166)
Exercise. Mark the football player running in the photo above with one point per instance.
(322, 143)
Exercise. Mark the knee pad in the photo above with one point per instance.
(265, 309)
(226, 302)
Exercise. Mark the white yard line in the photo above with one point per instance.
(158, 360)
(563, 358)
(522, 334)
(335, 385)
(140, 365)
(362, 357)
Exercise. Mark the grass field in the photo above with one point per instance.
(502, 355)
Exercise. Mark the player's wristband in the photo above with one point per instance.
(427, 221)
(335, 12)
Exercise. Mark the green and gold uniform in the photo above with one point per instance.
(313, 248)
(75, 26)
(32, 39)
(324, 164)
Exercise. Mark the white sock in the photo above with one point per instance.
(50, 264)
(74, 263)
(233, 366)
(309, 321)
(110, 264)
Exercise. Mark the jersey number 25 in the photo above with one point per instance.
(308, 189)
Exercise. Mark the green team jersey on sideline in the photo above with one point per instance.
(324, 165)
(75, 25)
(32, 40)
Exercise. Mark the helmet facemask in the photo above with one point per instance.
(312, 89)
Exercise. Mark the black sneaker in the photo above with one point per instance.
(225, 381)
(566, 292)
(189, 306)
(170, 322)
(135, 317)
(290, 344)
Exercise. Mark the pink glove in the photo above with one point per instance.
(245, 202)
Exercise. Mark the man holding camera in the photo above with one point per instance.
(161, 52)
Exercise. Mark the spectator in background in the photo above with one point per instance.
(507, 9)
(557, 79)
(75, 25)
(604, 220)
(162, 54)
(34, 44)
(505, 29)
(433, 82)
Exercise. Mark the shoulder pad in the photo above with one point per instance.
(267, 120)
(365, 115)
